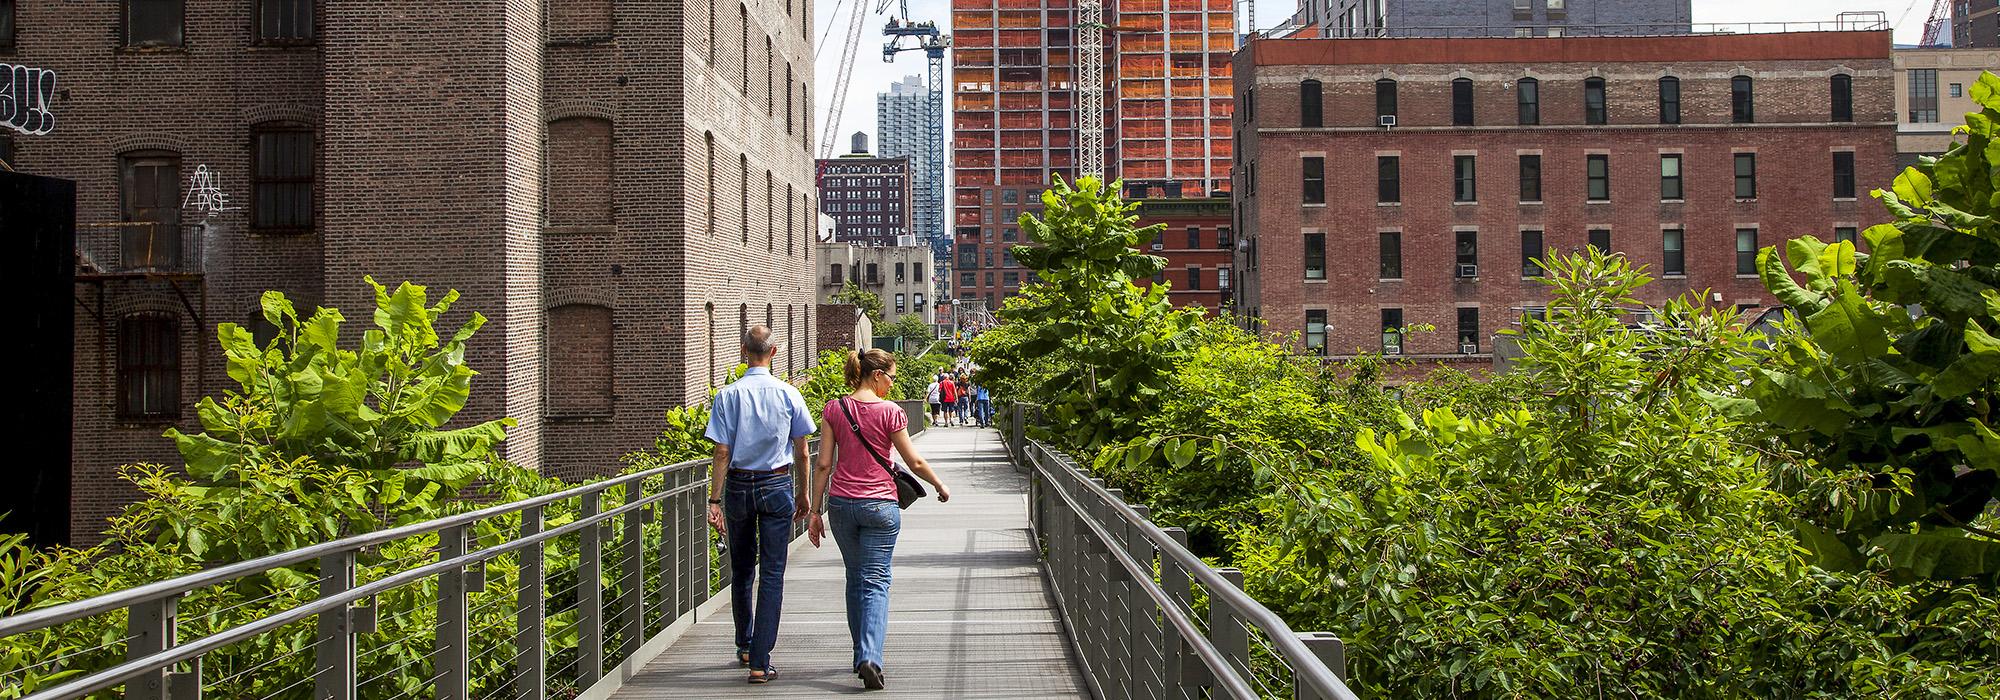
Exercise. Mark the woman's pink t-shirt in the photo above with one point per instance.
(856, 474)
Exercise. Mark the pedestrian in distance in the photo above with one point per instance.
(983, 405)
(964, 400)
(759, 425)
(855, 489)
(948, 393)
(935, 400)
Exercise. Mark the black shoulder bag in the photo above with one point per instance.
(908, 489)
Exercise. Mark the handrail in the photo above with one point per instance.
(98, 605)
(1306, 663)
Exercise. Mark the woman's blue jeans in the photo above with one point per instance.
(866, 531)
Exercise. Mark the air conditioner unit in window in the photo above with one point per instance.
(1388, 120)
(1159, 246)
(1468, 348)
(1392, 349)
(1468, 271)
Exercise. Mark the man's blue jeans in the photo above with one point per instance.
(759, 509)
(866, 531)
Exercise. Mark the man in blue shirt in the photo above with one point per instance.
(759, 426)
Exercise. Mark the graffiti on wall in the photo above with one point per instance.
(205, 192)
(27, 99)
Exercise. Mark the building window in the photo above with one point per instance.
(1843, 97)
(1529, 95)
(1594, 111)
(1844, 233)
(709, 195)
(1597, 176)
(1468, 255)
(1843, 174)
(7, 26)
(1600, 238)
(6, 145)
(743, 27)
(1225, 238)
(1465, 179)
(1309, 104)
(1531, 253)
(151, 187)
(1923, 95)
(1531, 178)
(1746, 176)
(1670, 177)
(580, 385)
(149, 367)
(579, 165)
(281, 182)
(1385, 100)
(1194, 278)
(1742, 100)
(1673, 255)
(1746, 251)
(1391, 255)
(1316, 332)
(285, 21)
(1388, 179)
(833, 274)
(1670, 100)
(1461, 102)
(874, 275)
(153, 23)
(1468, 330)
(1315, 256)
(1193, 237)
(903, 302)
(742, 194)
(1312, 176)
(1392, 331)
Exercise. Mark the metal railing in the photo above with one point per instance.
(643, 565)
(1870, 23)
(140, 248)
(1150, 619)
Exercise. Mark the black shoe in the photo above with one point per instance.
(769, 674)
(743, 657)
(871, 675)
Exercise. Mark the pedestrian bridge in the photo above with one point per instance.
(1033, 582)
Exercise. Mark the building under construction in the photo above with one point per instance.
(1016, 99)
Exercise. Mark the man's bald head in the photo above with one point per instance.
(758, 345)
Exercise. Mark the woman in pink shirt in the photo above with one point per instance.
(852, 484)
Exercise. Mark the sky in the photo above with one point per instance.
(871, 75)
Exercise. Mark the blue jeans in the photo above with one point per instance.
(759, 509)
(866, 531)
(984, 411)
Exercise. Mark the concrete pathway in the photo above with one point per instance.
(969, 615)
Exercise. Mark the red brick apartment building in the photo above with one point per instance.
(1384, 183)
(1198, 242)
(620, 185)
(1167, 119)
(869, 198)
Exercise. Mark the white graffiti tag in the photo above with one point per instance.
(205, 192)
(25, 98)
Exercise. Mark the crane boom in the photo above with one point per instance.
(1934, 29)
(1090, 88)
(831, 133)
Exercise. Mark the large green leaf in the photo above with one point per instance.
(1942, 555)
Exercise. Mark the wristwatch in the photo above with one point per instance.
(715, 501)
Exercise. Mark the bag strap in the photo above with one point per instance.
(858, 437)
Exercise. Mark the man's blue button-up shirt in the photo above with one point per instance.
(758, 416)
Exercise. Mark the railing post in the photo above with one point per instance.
(333, 655)
(1184, 672)
(151, 627)
(1225, 628)
(670, 564)
(1331, 652)
(632, 575)
(1118, 589)
(530, 615)
(590, 595)
(1145, 657)
(453, 661)
(185, 685)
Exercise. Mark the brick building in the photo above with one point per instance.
(1198, 243)
(869, 198)
(1933, 95)
(620, 185)
(1492, 18)
(1685, 153)
(1975, 24)
(1168, 105)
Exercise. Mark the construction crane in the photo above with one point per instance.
(925, 37)
(1934, 29)
(831, 133)
(1090, 88)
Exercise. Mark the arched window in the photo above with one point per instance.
(1742, 100)
(743, 27)
(710, 330)
(708, 137)
(788, 97)
(1528, 96)
(770, 78)
(579, 182)
(770, 218)
(1842, 93)
(149, 367)
(743, 194)
(1385, 98)
(711, 31)
(150, 183)
(1310, 105)
(791, 235)
(580, 384)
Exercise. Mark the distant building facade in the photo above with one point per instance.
(1500, 155)
(902, 123)
(869, 197)
(1975, 24)
(901, 275)
(1198, 240)
(629, 222)
(1491, 18)
(1933, 95)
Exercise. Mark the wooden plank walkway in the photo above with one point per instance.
(969, 617)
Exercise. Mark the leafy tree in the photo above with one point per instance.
(868, 302)
(1882, 387)
(911, 328)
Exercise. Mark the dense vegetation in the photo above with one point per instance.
(1673, 507)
